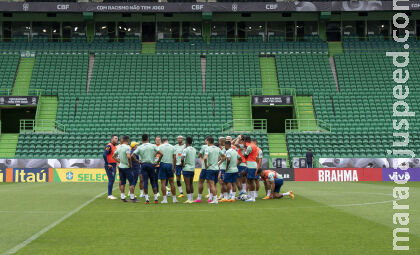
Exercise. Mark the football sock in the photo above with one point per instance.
(211, 196)
(131, 196)
(180, 188)
(147, 197)
(269, 193)
(244, 187)
(174, 198)
(225, 195)
(208, 191)
(156, 196)
(286, 194)
(141, 192)
(255, 194)
(164, 198)
(199, 196)
(215, 198)
(122, 196)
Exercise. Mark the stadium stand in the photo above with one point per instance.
(132, 87)
(234, 74)
(60, 74)
(361, 113)
(8, 65)
(127, 93)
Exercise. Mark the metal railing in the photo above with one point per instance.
(306, 125)
(20, 92)
(245, 125)
(27, 125)
(272, 92)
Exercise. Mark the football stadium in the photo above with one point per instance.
(209, 127)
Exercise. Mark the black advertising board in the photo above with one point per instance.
(272, 100)
(303, 6)
(19, 100)
(288, 174)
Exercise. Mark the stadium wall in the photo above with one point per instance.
(197, 17)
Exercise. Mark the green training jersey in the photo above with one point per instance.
(121, 152)
(213, 154)
(202, 150)
(168, 152)
(178, 151)
(223, 165)
(147, 152)
(233, 156)
(189, 154)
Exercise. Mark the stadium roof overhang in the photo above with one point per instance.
(318, 6)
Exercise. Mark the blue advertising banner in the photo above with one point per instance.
(32, 174)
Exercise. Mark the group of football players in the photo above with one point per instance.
(234, 164)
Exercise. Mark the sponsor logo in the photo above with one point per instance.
(30, 174)
(398, 175)
(25, 7)
(271, 6)
(1, 175)
(197, 7)
(234, 7)
(338, 176)
(82, 175)
(63, 6)
(69, 176)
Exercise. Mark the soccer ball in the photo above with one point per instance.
(243, 197)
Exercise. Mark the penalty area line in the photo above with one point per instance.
(52, 225)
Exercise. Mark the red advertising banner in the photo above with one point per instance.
(338, 174)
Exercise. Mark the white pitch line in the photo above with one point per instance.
(47, 228)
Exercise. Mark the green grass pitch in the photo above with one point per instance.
(324, 218)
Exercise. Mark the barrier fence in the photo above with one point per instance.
(288, 174)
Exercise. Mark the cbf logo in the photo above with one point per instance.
(69, 176)
(25, 7)
(234, 7)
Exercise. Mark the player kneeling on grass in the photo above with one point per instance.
(231, 157)
(123, 156)
(188, 168)
(274, 182)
